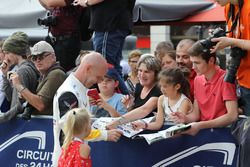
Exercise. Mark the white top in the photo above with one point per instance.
(168, 109)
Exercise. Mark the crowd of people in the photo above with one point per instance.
(182, 84)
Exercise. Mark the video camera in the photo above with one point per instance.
(236, 54)
(49, 20)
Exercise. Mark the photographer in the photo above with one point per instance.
(65, 29)
(236, 12)
(237, 17)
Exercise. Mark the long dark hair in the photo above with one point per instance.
(176, 76)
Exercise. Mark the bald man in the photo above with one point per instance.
(73, 93)
(183, 61)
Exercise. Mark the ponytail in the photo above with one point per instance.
(185, 87)
(68, 129)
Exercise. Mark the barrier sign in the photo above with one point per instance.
(209, 148)
(26, 143)
(30, 144)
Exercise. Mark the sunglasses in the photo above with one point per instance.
(39, 57)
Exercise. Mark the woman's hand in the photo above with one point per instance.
(112, 125)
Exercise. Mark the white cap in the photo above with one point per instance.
(41, 47)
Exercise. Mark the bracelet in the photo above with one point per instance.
(20, 88)
(121, 120)
(145, 124)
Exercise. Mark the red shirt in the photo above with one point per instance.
(211, 95)
(191, 82)
(72, 158)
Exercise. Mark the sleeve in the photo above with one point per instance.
(229, 91)
(27, 77)
(97, 135)
(52, 83)
(67, 101)
(7, 88)
(120, 107)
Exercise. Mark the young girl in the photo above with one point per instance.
(75, 152)
(175, 90)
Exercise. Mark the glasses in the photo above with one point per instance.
(132, 61)
(39, 57)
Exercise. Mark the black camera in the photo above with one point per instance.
(236, 55)
(49, 20)
(207, 43)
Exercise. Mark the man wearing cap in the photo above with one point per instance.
(73, 94)
(52, 75)
(16, 48)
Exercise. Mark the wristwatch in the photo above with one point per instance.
(86, 3)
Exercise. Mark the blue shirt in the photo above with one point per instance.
(115, 102)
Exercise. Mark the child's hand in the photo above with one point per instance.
(92, 101)
(127, 100)
(178, 117)
(102, 103)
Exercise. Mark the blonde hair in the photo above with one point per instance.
(77, 122)
(134, 53)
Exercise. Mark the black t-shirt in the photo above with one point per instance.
(112, 15)
(154, 92)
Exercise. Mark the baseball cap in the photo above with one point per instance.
(41, 47)
(113, 74)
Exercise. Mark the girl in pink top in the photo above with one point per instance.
(75, 152)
